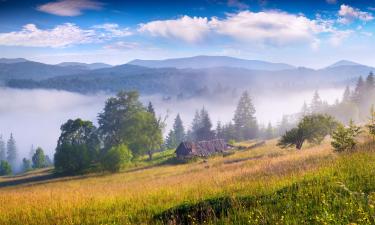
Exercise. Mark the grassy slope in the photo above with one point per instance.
(262, 185)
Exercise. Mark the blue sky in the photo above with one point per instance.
(311, 33)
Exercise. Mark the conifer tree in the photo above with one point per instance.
(2, 149)
(170, 141)
(219, 130)
(12, 151)
(346, 95)
(269, 132)
(179, 130)
(359, 91)
(316, 103)
(244, 118)
(150, 109)
(205, 132)
(370, 83)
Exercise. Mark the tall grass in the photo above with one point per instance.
(265, 185)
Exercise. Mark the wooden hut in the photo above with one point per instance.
(189, 149)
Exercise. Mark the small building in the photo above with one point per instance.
(189, 149)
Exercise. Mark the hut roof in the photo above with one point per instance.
(201, 148)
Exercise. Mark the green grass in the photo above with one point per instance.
(266, 185)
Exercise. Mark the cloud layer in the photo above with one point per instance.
(349, 14)
(64, 35)
(69, 7)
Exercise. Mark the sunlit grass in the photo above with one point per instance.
(136, 195)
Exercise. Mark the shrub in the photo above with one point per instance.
(116, 157)
(344, 138)
(5, 168)
(72, 158)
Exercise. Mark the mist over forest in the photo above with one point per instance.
(35, 116)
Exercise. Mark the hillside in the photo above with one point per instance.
(200, 62)
(266, 185)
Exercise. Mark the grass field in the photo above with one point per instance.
(265, 185)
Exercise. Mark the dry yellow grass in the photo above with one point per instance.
(133, 197)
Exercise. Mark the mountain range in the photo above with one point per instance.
(174, 76)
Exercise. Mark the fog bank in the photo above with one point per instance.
(35, 116)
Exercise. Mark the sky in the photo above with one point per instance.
(311, 33)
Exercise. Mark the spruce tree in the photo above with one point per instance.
(2, 149)
(219, 130)
(316, 103)
(12, 151)
(170, 141)
(346, 96)
(179, 130)
(359, 91)
(370, 83)
(150, 109)
(195, 126)
(244, 118)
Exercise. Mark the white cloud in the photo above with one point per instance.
(348, 14)
(339, 36)
(64, 35)
(60, 36)
(114, 29)
(274, 28)
(69, 7)
(189, 29)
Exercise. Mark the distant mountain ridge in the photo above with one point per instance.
(89, 66)
(201, 62)
(344, 63)
(10, 61)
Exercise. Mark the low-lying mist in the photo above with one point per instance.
(35, 116)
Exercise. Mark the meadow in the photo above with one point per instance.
(264, 185)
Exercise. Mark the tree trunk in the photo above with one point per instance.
(150, 155)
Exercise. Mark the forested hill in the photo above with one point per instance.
(78, 78)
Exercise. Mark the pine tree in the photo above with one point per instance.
(195, 126)
(179, 130)
(244, 118)
(12, 151)
(170, 141)
(359, 92)
(347, 94)
(219, 130)
(205, 132)
(2, 149)
(316, 103)
(370, 83)
(150, 109)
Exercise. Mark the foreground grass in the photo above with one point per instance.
(263, 185)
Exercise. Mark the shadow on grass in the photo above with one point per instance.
(211, 210)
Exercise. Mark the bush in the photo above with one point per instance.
(72, 158)
(116, 157)
(39, 159)
(343, 139)
(5, 168)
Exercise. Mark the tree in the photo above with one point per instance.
(77, 147)
(347, 95)
(312, 128)
(219, 130)
(370, 83)
(305, 109)
(116, 157)
(359, 91)
(179, 130)
(143, 134)
(316, 103)
(344, 138)
(117, 117)
(39, 159)
(371, 124)
(26, 165)
(201, 128)
(170, 141)
(150, 109)
(5, 168)
(2, 149)
(244, 118)
(48, 161)
(12, 151)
